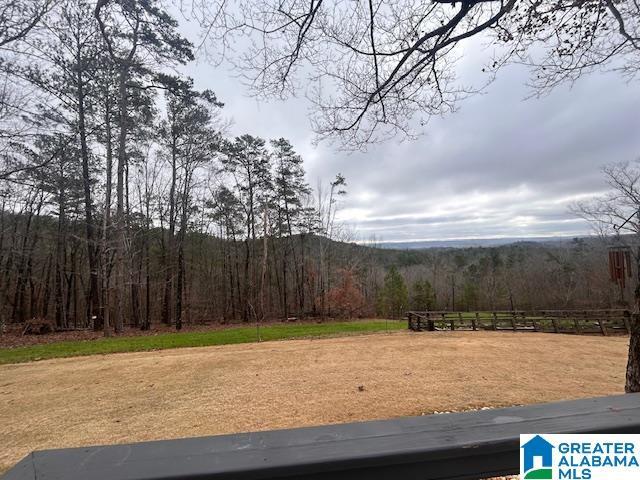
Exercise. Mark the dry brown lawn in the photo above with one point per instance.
(234, 388)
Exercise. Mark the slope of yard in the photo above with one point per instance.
(204, 391)
(163, 341)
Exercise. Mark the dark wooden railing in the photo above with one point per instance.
(603, 322)
(459, 446)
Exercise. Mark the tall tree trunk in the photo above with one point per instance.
(169, 257)
(633, 362)
(29, 260)
(121, 247)
(179, 283)
(632, 384)
(18, 298)
(106, 221)
(180, 247)
(134, 284)
(61, 254)
(46, 294)
(93, 297)
(285, 299)
(246, 300)
(240, 304)
(3, 320)
(263, 273)
(300, 279)
(146, 324)
(224, 276)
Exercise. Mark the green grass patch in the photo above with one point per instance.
(164, 341)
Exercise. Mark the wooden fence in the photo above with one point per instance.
(603, 322)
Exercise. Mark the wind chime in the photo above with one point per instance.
(620, 256)
(620, 265)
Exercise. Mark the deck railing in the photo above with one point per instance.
(458, 446)
(603, 322)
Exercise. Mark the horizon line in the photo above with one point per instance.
(457, 239)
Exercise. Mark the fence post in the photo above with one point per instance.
(576, 322)
(475, 321)
(494, 321)
(554, 320)
(533, 321)
(627, 324)
(603, 327)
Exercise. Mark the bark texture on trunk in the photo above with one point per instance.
(632, 383)
(633, 361)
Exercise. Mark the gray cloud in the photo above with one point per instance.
(500, 166)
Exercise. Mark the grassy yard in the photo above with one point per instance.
(194, 392)
(193, 339)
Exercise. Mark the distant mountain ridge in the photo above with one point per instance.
(473, 242)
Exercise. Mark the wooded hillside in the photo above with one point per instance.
(227, 279)
(124, 200)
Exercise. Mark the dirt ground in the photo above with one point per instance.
(234, 388)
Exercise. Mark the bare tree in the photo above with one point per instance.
(373, 68)
(247, 162)
(18, 19)
(138, 36)
(615, 211)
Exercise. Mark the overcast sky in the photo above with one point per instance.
(501, 166)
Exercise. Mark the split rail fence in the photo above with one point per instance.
(603, 322)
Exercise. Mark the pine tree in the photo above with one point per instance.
(290, 188)
(247, 162)
(395, 297)
(140, 39)
(422, 296)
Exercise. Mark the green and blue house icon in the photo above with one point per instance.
(538, 459)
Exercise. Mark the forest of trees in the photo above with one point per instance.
(227, 266)
(124, 202)
(566, 274)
